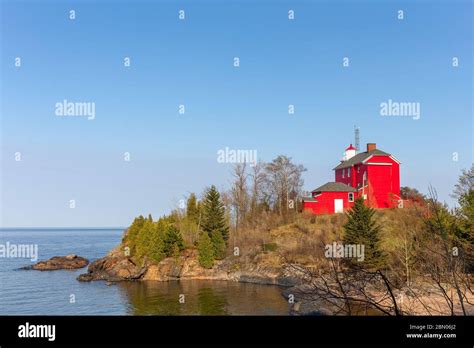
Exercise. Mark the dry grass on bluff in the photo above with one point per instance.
(303, 240)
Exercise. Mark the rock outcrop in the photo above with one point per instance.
(117, 267)
(60, 262)
(112, 268)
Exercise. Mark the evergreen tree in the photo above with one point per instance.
(173, 242)
(218, 244)
(134, 230)
(206, 251)
(140, 242)
(213, 216)
(192, 209)
(155, 247)
(362, 228)
(149, 243)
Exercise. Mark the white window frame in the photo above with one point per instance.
(349, 172)
(343, 170)
(349, 195)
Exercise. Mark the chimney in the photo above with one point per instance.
(371, 146)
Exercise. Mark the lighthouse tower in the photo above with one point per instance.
(349, 153)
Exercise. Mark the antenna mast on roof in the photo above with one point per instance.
(357, 136)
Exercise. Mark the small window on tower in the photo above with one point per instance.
(348, 172)
(351, 197)
(358, 169)
(343, 172)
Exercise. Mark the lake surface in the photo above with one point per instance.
(31, 292)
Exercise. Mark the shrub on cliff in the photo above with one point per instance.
(205, 251)
(412, 194)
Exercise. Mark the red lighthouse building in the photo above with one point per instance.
(373, 175)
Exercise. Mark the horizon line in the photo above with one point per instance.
(63, 228)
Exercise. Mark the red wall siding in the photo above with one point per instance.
(355, 179)
(346, 179)
(360, 175)
(380, 182)
(338, 175)
(384, 181)
(396, 179)
(325, 202)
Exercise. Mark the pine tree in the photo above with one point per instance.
(213, 218)
(173, 242)
(362, 228)
(206, 251)
(218, 244)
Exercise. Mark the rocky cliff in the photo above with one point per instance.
(118, 267)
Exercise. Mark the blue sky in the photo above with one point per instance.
(190, 62)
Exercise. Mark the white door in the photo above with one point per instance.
(338, 206)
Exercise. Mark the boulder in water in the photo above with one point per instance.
(71, 261)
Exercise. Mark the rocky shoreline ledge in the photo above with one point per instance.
(116, 267)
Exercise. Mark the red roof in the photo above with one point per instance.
(350, 147)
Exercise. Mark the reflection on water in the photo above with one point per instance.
(203, 297)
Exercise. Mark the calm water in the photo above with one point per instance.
(49, 293)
